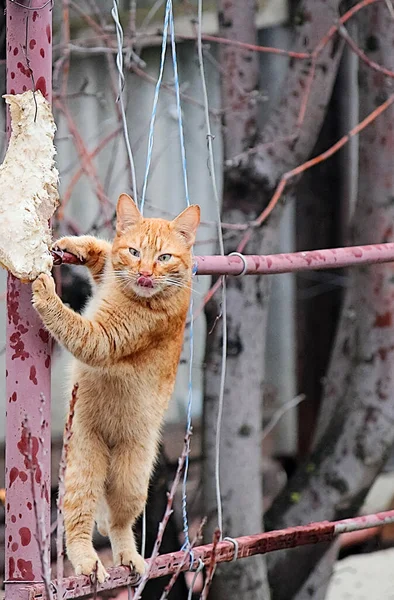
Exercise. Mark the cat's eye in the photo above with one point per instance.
(164, 257)
(134, 252)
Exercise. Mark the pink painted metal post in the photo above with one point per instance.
(29, 58)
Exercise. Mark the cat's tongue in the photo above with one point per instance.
(145, 282)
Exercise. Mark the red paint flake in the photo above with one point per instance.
(42, 52)
(18, 346)
(24, 70)
(382, 353)
(14, 547)
(13, 398)
(8, 507)
(44, 492)
(30, 451)
(22, 329)
(6, 372)
(48, 362)
(26, 569)
(25, 534)
(13, 475)
(24, 88)
(11, 568)
(44, 335)
(22, 476)
(13, 519)
(12, 91)
(12, 296)
(29, 505)
(12, 75)
(383, 320)
(32, 43)
(10, 538)
(33, 375)
(42, 86)
(35, 15)
(16, 51)
(49, 35)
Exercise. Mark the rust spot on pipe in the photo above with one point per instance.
(25, 535)
(44, 335)
(383, 320)
(13, 475)
(11, 568)
(26, 569)
(33, 375)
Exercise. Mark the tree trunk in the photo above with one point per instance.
(356, 431)
(248, 187)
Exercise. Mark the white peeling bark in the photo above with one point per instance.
(28, 187)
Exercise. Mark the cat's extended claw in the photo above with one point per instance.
(43, 287)
(133, 560)
(71, 245)
(93, 568)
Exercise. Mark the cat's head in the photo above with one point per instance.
(153, 256)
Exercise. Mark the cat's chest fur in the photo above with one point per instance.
(125, 401)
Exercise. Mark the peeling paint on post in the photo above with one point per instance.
(28, 345)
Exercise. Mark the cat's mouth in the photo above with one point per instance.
(145, 282)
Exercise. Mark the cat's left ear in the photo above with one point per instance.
(186, 224)
(127, 214)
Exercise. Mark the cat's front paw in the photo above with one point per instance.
(91, 566)
(73, 245)
(131, 558)
(43, 289)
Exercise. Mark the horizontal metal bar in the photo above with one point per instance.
(249, 545)
(331, 258)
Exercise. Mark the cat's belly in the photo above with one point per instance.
(128, 407)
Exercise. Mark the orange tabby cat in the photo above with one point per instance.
(126, 350)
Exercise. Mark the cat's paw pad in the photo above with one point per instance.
(43, 287)
(72, 245)
(93, 568)
(132, 560)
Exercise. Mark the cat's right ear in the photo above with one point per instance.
(127, 214)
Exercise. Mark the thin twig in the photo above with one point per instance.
(167, 514)
(60, 500)
(185, 558)
(212, 565)
(43, 539)
(280, 412)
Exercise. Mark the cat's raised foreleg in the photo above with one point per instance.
(92, 251)
(126, 494)
(87, 464)
(85, 339)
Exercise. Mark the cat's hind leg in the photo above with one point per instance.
(102, 517)
(127, 489)
(87, 465)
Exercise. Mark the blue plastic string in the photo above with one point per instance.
(186, 544)
(155, 102)
(179, 107)
(169, 24)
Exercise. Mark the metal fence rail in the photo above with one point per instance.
(225, 551)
